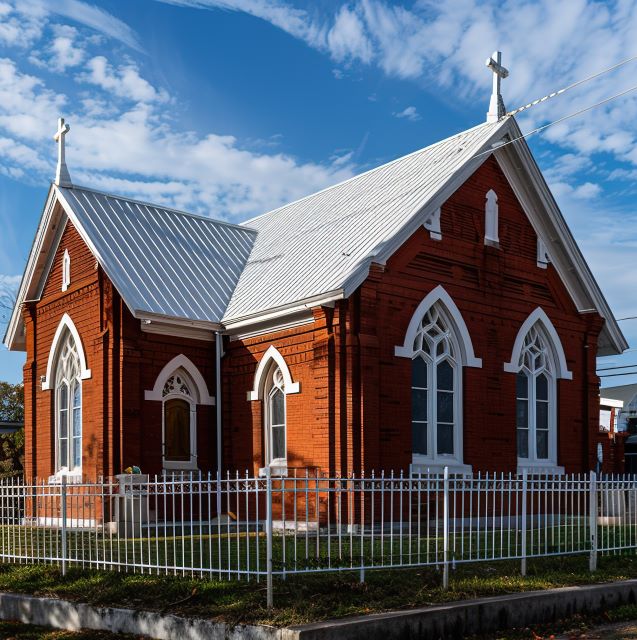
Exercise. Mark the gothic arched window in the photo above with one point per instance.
(435, 390)
(179, 422)
(536, 400)
(275, 419)
(68, 406)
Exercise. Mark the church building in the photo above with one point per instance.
(432, 312)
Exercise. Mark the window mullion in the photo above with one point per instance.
(434, 409)
(532, 416)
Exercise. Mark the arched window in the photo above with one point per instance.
(68, 406)
(436, 390)
(491, 232)
(275, 419)
(179, 435)
(536, 393)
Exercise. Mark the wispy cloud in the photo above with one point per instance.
(409, 113)
(124, 137)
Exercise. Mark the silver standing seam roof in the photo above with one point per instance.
(162, 261)
(179, 266)
(319, 244)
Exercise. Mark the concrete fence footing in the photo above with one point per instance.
(448, 621)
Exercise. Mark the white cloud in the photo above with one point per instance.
(409, 113)
(64, 50)
(124, 81)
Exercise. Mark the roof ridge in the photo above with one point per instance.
(154, 205)
(380, 166)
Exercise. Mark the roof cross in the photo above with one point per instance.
(496, 106)
(62, 175)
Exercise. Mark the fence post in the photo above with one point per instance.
(523, 526)
(445, 530)
(63, 525)
(268, 535)
(592, 513)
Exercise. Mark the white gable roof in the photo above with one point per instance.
(317, 248)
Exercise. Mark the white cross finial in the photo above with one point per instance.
(62, 175)
(496, 106)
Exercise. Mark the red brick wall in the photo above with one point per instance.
(82, 301)
(495, 290)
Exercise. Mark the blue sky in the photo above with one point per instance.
(232, 107)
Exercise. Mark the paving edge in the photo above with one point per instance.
(448, 621)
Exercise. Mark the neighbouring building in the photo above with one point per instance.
(434, 311)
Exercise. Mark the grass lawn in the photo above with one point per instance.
(308, 598)
(18, 631)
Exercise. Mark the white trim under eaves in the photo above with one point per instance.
(565, 254)
(29, 271)
(283, 311)
(166, 329)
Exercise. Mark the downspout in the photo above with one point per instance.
(218, 398)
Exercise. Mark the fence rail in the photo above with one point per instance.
(245, 527)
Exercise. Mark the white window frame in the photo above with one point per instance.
(271, 388)
(183, 465)
(433, 458)
(491, 230)
(62, 379)
(556, 357)
(271, 360)
(464, 356)
(532, 461)
(66, 270)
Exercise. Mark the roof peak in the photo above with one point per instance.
(380, 166)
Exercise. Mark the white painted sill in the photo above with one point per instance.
(72, 477)
(433, 467)
(276, 471)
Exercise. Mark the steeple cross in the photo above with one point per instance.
(496, 106)
(62, 175)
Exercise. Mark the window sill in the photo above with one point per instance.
(435, 467)
(72, 477)
(168, 465)
(539, 468)
(276, 471)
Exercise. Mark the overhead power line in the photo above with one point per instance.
(613, 375)
(626, 366)
(570, 86)
(550, 124)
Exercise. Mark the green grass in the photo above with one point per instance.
(307, 598)
(246, 551)
(19, 631)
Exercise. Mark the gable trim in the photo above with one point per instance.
(539, 316)
(439, 294)
(65, 323)
(272, 355)
(180, 362)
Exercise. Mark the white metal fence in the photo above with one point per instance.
(242, 527)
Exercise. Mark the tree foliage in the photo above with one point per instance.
(11, 444)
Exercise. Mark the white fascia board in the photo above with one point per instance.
(609, 402)
(565, 253)
(147, 316)
(283, 311)
(25, 285)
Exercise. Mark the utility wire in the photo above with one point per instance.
(570, 86)
(550, 124)
(612, 375)
(627, 366)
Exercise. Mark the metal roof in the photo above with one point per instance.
(315, 246)
(161, 261)
(624, 392)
